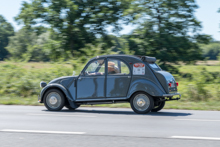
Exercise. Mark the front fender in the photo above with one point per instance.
(147, 86)
(57, 86)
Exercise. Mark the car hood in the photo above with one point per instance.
(58, 80)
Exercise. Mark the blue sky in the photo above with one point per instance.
(207, 14)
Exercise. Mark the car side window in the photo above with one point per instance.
(124, 68)
(97, 67)
(117, 67)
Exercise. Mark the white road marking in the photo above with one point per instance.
(38, 131)
(198, 120)
(196, 137)
(61, 115)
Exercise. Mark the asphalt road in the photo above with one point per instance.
(34, 126)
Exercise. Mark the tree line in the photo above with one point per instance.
(65, 29)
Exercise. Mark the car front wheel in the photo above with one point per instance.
(54, 100)
(141, 103)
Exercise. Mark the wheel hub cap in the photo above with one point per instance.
(141, 102)
(53, 100)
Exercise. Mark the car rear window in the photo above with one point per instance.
(154, 66)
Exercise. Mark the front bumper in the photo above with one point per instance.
(172, 94)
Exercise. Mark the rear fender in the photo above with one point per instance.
(146, 86)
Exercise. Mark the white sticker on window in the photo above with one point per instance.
(138, 69)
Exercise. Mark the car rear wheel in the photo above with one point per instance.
(54, 100)
(158, 107)
(141, 103)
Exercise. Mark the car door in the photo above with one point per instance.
(118, 78)
(91, 82)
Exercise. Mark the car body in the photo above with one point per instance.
(113, 79)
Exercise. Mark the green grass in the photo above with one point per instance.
(198, 68)
(20, 84)
(12, 100)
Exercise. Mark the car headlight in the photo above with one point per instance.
(43, 84)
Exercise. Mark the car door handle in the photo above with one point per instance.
(129, 77)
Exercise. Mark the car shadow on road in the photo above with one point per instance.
(174, 114)
(161, 113)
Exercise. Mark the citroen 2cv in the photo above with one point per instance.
(113, 79)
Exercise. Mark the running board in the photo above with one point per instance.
(101, 102)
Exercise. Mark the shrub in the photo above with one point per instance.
(17, 80)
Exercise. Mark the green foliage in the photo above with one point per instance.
(218, 58)
(27, 46)
(16, 80)
(6, 30)
(211, 50)
(167, 30)
(122, 46)
(74, 23)
(203, 85)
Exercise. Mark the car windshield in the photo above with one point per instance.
(97, 67)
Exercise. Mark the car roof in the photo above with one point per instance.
(119, 56)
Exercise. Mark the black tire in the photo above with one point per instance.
(70, 108)
(54, 100)
(141, 103)
(158, 107)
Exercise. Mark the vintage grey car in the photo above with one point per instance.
(112, 79)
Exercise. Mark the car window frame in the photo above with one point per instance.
(111, 58)
(84, 69)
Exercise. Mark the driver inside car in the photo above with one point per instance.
(112, 69)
